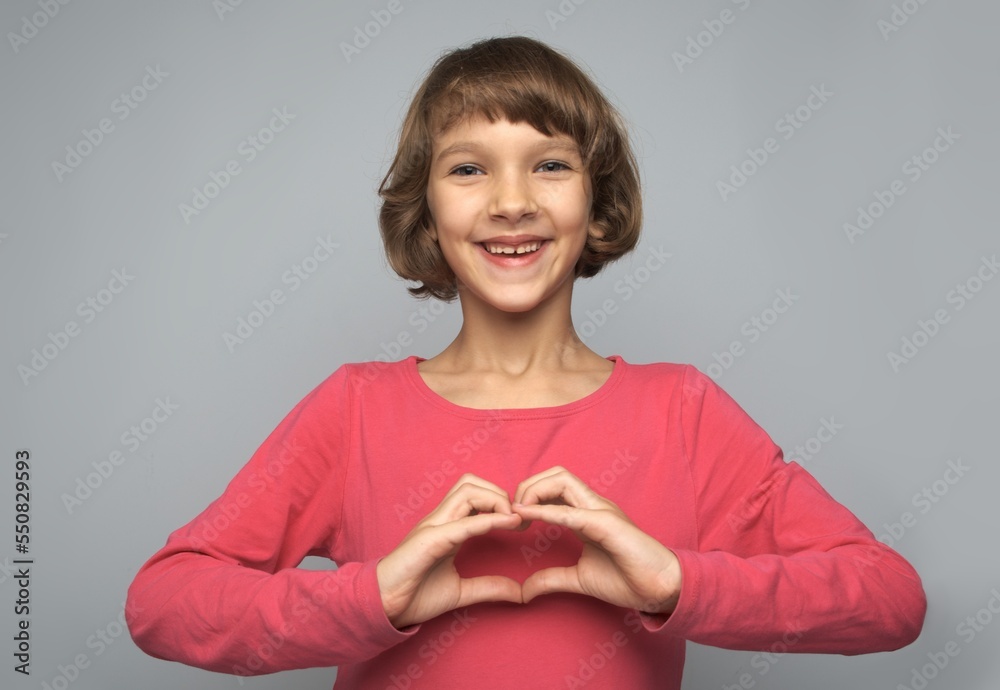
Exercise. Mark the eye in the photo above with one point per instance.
(553, 166)
(465, 171)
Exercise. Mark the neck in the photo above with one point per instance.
(515, 343)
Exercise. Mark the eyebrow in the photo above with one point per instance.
(475, 147)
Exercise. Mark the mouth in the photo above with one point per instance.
(496, 248)
(518, 255)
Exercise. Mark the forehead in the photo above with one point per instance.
(479, 134)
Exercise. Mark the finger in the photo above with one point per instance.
(467, 500)
(561, 487)
(469, 479)
(544, 474)
(426, 548)
(430, 543)
(550, 581)
(441, 539)
(488, 588)
(580, 520)
(519, 492)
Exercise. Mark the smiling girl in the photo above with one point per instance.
(608, 512)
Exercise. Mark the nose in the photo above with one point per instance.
(513, 197)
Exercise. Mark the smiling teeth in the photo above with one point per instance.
(508, 249)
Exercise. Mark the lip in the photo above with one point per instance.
(513, 239)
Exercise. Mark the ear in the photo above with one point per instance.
(594, 232)
(431, 232)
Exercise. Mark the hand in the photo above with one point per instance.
(418, 580)
(620, 564)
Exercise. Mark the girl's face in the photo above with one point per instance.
(510, 209)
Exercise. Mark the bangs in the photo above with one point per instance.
(515, 102)
(517, 84)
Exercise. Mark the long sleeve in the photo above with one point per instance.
(224, 594)
(766, 554)
(778, 558)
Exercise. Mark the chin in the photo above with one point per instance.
(511, 298)
(517, 308)
(506, 304)
(512, 306)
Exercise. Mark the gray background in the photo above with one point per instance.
(162, 335)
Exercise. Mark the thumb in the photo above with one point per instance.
(550, 581)
(488, 588)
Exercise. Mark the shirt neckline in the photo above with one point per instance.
(425, 391)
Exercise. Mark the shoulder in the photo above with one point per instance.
(351, 380)
(358, 375)
(683, 388)
(677, 377)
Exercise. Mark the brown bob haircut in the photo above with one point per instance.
(517, 79)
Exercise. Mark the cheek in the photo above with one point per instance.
(451, 250)
(577, 207)
(454, 214)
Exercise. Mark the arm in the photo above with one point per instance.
(224, 594)
(779, 558)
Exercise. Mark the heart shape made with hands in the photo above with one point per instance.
(558, 536)
(575, 541)
(536, 544)
(518, 554)
(547, 558)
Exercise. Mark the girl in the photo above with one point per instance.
(518, 511)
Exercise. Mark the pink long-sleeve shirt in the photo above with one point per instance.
(767, 556)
